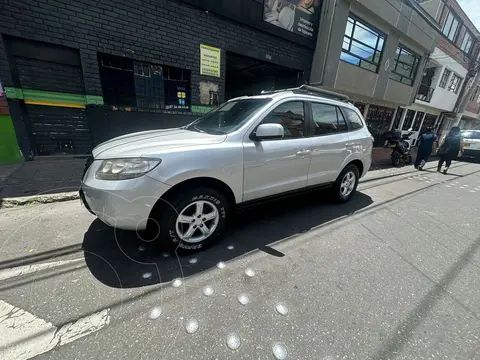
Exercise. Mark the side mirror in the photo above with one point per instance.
(410, 130)
(269, 132)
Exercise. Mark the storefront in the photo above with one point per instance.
(378, 121)
(169, 64)
(415, 120)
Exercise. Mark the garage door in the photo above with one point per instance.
(52, 78)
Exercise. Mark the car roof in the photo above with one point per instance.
(287, 94)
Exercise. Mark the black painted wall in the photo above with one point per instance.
(159, 31)
(165, 32)
(106, 124)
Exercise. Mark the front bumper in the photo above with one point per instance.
(474, 153)
(123, 204)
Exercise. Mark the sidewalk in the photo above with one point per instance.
(381, 158)
(42, 180)
(52, 179)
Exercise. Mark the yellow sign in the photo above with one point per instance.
(209, 60)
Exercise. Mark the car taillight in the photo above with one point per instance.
(372, 138)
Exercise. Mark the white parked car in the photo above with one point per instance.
(184, 184)
(471, 143)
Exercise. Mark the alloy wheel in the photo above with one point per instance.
(197, 221)
(348, 184)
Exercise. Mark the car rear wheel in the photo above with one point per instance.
(192, 220)
(346, 184)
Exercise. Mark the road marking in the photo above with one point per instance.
(24, 335)
(28, 269)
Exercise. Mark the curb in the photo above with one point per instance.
(74, 195)
(38, 199)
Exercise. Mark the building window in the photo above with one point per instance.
(407, 123)
(396, 122)
(378, 121)
(444, 80)
(428, 122)
(418, 121)
(118, 80)
(146, 86)
(362, 45)
(467, 43)
(451, 26)
(475, 94)
(455, 84)
(405, 66)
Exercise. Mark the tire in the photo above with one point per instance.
(186, 204)
(409, 159)
(395, 159)
(339, 195)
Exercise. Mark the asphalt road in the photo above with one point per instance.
(395, 274)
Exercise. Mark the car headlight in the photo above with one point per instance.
(122, 169)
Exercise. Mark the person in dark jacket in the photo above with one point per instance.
(425, 147)
(449, 148)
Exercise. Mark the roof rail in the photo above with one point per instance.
(312, 90)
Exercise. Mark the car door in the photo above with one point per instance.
(360, 140)
(276, 166)
(330, 144)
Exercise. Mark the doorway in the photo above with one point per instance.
(249, 76)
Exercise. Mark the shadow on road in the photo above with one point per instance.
(404, 331)
(114, 257)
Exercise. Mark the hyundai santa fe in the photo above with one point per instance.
(183, 185)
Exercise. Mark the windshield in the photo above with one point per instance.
(471, 134)
(227, 117)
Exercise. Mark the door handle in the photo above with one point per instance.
(303, 152)
(349, 144)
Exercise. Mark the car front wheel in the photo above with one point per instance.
(193, 220)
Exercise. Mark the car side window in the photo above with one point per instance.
(291, 116)
(327, 120)
(354, 121)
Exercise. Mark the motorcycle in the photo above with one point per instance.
(401, 148)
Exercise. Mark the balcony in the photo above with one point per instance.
(425, 93)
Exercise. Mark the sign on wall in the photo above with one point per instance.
(209, 60)
(298, 16)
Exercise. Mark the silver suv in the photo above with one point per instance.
(184, 184)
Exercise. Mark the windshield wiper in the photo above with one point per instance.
(215, 132)
(199, 130)
(205, 131)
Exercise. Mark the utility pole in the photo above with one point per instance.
(467, 94)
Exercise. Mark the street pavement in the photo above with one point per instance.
(394, 274)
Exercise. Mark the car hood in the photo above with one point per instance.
(152, 142)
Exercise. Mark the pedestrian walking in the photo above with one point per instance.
(425, 148)
(450, 148)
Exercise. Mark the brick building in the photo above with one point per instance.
(77, 73)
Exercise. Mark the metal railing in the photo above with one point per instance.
(425, 93)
